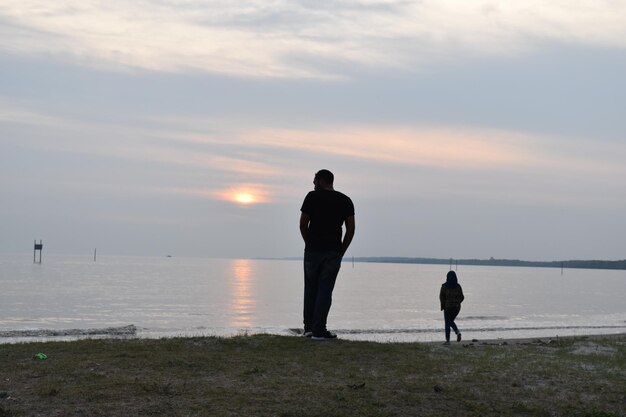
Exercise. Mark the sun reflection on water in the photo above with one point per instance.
(243, 304)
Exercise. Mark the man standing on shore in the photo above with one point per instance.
(323, 213)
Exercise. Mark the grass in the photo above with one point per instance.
(265, 375)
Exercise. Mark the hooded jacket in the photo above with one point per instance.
(451, 294)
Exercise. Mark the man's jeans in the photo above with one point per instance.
(320, 274)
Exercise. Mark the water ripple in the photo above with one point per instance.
(130, 330)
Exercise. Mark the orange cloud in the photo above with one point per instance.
(430, 147)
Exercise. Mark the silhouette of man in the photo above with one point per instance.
(323, 213)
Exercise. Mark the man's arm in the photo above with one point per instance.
(347, 238)
(304, 225)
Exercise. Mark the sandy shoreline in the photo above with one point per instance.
(533, 340)
(131, 331)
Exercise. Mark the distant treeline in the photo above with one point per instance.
(593, 264)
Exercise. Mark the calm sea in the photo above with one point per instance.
(382, 302)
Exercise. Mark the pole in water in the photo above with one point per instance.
(38, 247)
(94, 254)
(561, 268)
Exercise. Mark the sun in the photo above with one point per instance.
(245, 198)
(243, 194)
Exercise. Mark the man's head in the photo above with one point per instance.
(323, 179)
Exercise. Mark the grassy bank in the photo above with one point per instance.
(267, 375)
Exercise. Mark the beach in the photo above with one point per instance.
(541, 340)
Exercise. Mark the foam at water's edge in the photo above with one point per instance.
(129, 330)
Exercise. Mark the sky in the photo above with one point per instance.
(460, 129)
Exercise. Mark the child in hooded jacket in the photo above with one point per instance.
(451, 296)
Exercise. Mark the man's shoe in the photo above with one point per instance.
(458, 337)
(446, 343)
(324, 336)
(307, 334)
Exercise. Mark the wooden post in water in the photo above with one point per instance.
(94, 254)
(38, 247)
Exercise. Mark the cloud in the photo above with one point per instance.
(159, 144)
(434, 147)
(298, 39)
(248, 151)
(15, 114)
(486, 165)
(180, 156)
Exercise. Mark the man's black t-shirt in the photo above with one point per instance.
(327, 210)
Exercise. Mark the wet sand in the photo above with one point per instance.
(531, 340)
